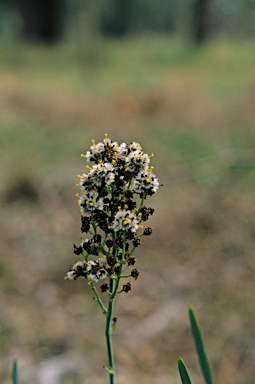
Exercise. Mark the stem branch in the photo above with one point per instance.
(108, 331)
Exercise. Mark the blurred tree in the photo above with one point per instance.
(117, 19)
(193, 19)
(201, 20)
(88, 17)
(41, 19)
(183, 19)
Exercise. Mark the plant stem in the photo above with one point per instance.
(121, 266)
(97, 298)
(108, 333)
(142, 201)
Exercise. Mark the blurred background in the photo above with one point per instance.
(179, 78)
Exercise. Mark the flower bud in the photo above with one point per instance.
(147, 231)
(77, 249)
(127, 287)
(104, 287)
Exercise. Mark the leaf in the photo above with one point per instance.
(15, 372)
(183, 372)
(109, 370)
(197, 334)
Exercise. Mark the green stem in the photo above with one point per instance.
(108, 333)
(105, 239)
(133, 250)
(97, 298)
(142, 201)
(103, 250)
(121, 266)
(93, 224)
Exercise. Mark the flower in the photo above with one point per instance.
(125, 150)
(124, 221)
(107, 205)
(90, 202)
(136, 161)
(95, 152)
(76, 271)
(145, 181)
(102, 174)
(96, 269)
(101, 150)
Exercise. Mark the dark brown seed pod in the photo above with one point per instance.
(127, 287)
(77, 249)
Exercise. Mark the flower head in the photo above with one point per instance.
(76, 271)
(97, 269)
(124, 221)
(110, 216)
(145, 181)
(136, 161)
(91, 201)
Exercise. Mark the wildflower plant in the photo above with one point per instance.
(111, 217)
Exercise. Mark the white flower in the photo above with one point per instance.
(90, 265)
(97, 149)
(109, 144)
(95, 152)
(135, 146)
(124, 221)
(76, 271)
(145, 181)
(96, 269)
(91, 201)
(85, 181)
(99, 275)
(102, 261)
(70, 275)
(136, 161)
(102, 173)
(85, 241)
(123, 149)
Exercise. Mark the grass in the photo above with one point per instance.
(135, 62)
(49, 95)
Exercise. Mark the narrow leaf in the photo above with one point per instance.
(15, 372)
(183, 372)
(197, 334)
(109, 370)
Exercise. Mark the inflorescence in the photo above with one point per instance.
(110, 213)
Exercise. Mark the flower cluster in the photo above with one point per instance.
(110, 214)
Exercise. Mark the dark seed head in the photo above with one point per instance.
(77, 249)
(135, 273)
(136, 241)
(127, 287)
(97, 238)
(104, 287)
(109, 243)
(147, 231)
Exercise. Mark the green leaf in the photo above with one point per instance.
(15, 372)
(183, 372)
(197, 334)
(109, 370)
